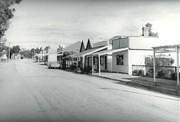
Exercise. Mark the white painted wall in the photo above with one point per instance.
(142, 42)
(120, 68)
(109, 63)
(52, 57)
(142, 48)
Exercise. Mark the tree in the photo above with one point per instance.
(37, 50)
(148, 25)
(15, 49)
(6, 13)
(47, 49)
(148, 28)
(26, 53)
(32, 51)
(60, 48)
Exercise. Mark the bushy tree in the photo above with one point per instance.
(150, 32)
(6, 13)
(15, 49)
(35, 50)
(47, 49)
(26, 53)
(60, 48)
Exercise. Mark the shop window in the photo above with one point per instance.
(102, 60)
(94, 60)
(120, 60)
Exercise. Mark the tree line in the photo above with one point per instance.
(29, 53)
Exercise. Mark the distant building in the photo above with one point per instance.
(52, 59)
(69, 58)
(4, 56)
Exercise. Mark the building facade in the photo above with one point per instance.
(128, 51)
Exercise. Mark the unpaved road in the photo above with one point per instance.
(29, 91)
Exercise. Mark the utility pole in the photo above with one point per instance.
(33, 53)
(1, 45)
(9, 51)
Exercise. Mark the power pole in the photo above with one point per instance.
(9, 51)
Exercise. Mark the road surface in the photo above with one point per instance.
(30, 91)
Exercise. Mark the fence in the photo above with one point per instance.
(165, 72)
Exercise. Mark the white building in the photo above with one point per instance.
(128, 51)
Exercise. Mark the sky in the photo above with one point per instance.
(38, 23)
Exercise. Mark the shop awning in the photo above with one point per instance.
(71, 56)
(166, 48)
(91, 51)
(59, 54)
(110, 52)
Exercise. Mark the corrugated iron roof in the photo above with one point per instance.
(110, 52)
(75, 47)
(91, 51)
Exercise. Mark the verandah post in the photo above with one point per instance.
(154, 64)
(99, 64)
(177, 51)
(92, 65)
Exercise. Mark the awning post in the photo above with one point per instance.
(83, 61)
(177, 51)
(92, 65)
(99, 64)
(154, 64)
(111, 63)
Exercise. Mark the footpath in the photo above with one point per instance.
(161, 85)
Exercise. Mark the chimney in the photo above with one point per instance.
(145, 31)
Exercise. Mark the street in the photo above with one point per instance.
(30, 91)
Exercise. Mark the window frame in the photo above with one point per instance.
(120, 59)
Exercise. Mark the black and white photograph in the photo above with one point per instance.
(89, 60)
